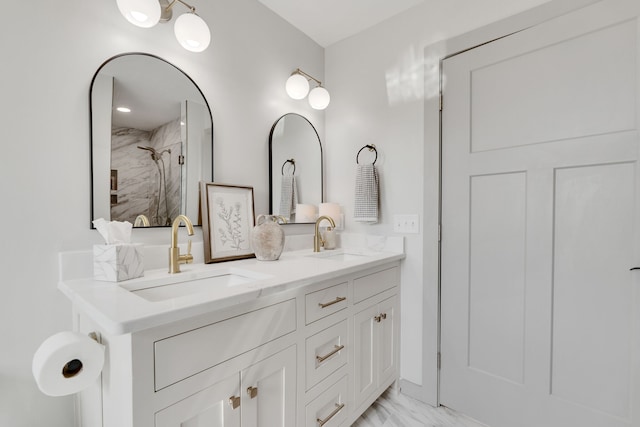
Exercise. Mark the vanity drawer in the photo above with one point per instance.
(324, 302)
(330, 408)
(186, 354)
(372, 284)
(325, 352)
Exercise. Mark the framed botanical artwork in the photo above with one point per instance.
(227, 221)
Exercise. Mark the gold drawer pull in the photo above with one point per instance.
(234, 401)
(335, 301)
(331, 415)
(252, 392)
(336, 349)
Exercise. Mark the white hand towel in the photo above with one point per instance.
(288, 196)
(367, 194)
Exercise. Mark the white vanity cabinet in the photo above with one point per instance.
(232, 367)
(313, 355)
(352, 345)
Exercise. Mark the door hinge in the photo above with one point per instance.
(441, 101)
(439, 360)
(181, 159)
(439, 232)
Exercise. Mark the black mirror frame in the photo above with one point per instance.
(271, 158)
(91, 206)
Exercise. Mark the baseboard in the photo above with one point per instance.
(412, 390)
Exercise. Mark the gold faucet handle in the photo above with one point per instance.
(188, 258)
(185, 258)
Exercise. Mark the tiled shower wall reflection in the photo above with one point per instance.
(140, 185)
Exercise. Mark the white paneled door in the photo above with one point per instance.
(541, 224)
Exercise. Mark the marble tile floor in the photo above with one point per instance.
(394, 409)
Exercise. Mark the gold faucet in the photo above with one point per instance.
(317, 240)
(175, 259)
(141, 220)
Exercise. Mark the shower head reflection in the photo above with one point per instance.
(155, 155)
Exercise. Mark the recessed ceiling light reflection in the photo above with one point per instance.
(124, 109)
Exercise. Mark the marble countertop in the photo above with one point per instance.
(118, 310)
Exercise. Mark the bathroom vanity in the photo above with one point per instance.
(309, 340)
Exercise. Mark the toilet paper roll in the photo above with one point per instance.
(66, 363)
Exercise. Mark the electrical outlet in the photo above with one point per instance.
(409, 224)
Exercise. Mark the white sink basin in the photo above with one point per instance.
(168, 286)
(339, 255)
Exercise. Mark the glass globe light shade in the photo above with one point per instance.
(319, 98)
(297, 86)
(141, 13)
(192, 32)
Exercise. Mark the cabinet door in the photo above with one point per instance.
(375, 338)
(365, 350)
(269, 391)
(211, 407)
(387, 363)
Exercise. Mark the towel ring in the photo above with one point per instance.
(371, 147)
(293, 162)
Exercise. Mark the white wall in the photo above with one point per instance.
(384, 91)
(50, 51)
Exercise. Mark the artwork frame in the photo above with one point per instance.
(227, 220)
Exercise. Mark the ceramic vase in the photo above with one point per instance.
(267, 238)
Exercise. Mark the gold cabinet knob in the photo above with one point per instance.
(252, 392)
(234, 401)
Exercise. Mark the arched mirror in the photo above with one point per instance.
(295, 169)
(151, 141)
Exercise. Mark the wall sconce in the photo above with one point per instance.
(191, 31)
(297, 87)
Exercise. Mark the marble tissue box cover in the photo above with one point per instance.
(115, 263)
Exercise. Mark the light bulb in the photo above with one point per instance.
(297, 86)
(192, 32)
(141, 13)
(319, 98)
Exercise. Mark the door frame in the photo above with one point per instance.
(434, 55)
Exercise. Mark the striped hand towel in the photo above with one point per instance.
(367, 194)
(288, 196)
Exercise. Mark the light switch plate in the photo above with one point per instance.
(409, 224)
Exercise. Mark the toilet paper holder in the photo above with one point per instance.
(95, 336)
